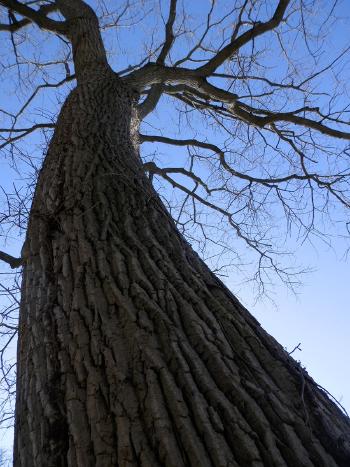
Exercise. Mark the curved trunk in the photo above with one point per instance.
(131, 352)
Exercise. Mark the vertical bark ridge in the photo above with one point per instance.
(131, 352)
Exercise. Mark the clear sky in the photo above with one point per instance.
(318, 318)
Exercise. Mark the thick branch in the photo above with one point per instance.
(155, 73)
(36, 16)
(251, 34)
(15, 26)
(75, 9)
(84, 33)
(155, 93)
(169, 33)
(248, 114)
(11, 260)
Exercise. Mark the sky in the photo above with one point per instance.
(317, 318)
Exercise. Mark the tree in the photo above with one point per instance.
(130, 350)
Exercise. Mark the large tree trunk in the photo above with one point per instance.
(131, 352)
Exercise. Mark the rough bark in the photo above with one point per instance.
(131, 352)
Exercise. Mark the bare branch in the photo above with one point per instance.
(269, 181)
(248, 114)
(156, 91)
(151, 167)
(13, 262)
(169, 33)
(23, 132)
(36, 16)
(256, 31)
(189, 78)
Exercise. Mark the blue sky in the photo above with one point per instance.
(318, 317)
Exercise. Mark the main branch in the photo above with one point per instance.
(36, 16)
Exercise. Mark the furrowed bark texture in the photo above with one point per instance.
(131, 352)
